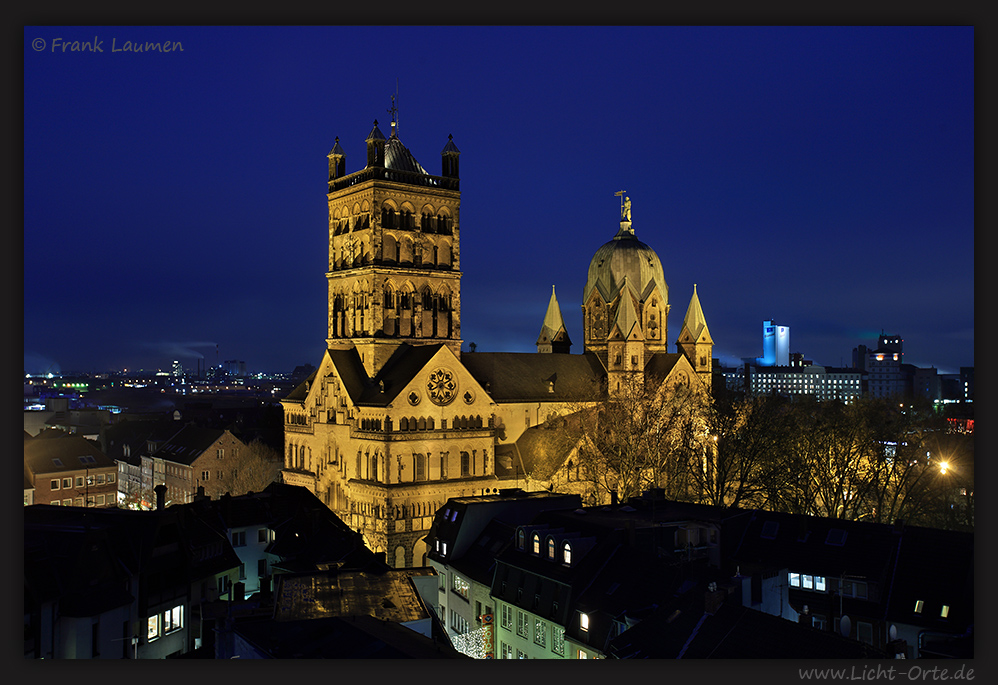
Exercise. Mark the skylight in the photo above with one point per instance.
(836, 536)
(769, 530)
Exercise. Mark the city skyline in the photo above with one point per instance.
(819, 177)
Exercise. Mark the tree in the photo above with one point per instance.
(744, 438)
(638, 438)
(259, 465)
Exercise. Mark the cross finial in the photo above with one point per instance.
(394, 112)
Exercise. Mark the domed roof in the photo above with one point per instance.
(625, 258)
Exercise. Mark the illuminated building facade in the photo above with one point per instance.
(395, 421)
(775, 345)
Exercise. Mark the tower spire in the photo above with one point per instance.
(554, 336)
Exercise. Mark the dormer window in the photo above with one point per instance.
(551, 547)
(567, 553)
(519, 539)
(944, 613)
(537, 543)
(584, 622)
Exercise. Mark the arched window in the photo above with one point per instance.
(567, 553)
(465, 463)
(537, 543)
(374, 468)
(551, 548)
(519, 539)
(420, 467)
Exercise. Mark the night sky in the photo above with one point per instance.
(174, 204)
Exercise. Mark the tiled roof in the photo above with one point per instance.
(543, 449)
(188, 444)
(516, 376)
(70, 453)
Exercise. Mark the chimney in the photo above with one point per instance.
(713, 599)
(160, 497)
(613, 497)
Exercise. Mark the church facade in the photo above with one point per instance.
(395, 420)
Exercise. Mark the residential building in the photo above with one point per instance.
(190, 458)
(115, 583)
(467, 535)
(68, 470)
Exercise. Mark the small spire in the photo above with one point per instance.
(554, 335)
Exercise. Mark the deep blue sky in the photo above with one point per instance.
(822, 177)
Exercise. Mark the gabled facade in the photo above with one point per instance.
(192, 457)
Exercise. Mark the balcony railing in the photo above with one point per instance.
(381, 173)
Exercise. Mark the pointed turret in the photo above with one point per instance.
(554, 336)
(449, 157)
(694, 339)
(337, 161)
(375, 147)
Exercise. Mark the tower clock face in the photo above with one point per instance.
(441, 386)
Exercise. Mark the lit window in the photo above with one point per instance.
(521, 624)
(583, 655)
(567, 552)
(173, 619)
(584, 622)
(152, 628)
(819, 583)
(558, 640)
(807, 582)
(540, 632)
(460, 585)
(919, 604)
(551, 548)
(507, 617)
(794, 580)
(945, 611)
(537, 543)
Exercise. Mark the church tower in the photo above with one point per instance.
(695, 342)
(554, 336)
(394, 251)
(625, 303)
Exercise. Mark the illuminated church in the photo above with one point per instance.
(395, 420)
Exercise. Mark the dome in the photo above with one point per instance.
(625, 257)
